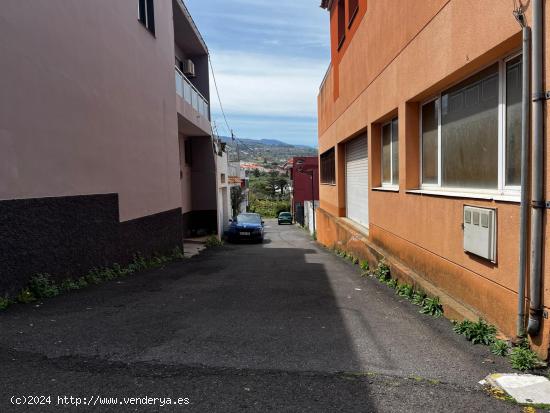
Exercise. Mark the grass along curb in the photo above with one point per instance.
(43, 286)
(520, 356)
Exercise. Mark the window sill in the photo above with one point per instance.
(327, 184)
(386, 188)
(472, 195)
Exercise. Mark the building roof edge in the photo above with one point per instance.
(326, 4)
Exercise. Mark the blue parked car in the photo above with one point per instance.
(246, 226)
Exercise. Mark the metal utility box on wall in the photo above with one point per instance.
(480, 232)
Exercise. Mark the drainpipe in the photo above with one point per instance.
(537, 195)
(524, 211)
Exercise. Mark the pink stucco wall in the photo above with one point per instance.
(87, 103)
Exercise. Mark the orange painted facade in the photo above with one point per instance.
(397, 54)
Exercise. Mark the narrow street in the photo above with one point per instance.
(283, 326)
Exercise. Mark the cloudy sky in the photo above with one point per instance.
(269, 59)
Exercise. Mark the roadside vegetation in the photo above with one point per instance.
(43, 286)
(269, 193)
(268, 208)
(213, 242)
(4, 303)
(520, 356)
(479, 332)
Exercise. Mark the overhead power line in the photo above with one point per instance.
(218, 94)
(229, 130)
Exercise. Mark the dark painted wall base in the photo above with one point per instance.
(198, 223)
(67, 236)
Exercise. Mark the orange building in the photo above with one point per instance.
(421, 118)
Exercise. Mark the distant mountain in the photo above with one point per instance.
(272, 142)
(266, 150)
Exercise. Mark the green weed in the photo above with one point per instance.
(26, 296)
(432, 306)
(177, 253)
(523, 343)
(69, 285)
(479, 332)
(213, 242)
(120, 271)
(382, 272)
(392, 283)
(93, 277)
(352, 259)
(138, 264)
(5, 302)
(81, 282)
(405, 290)
(499, 348)
(42, 286)
(364, 265)
(418, 298)
(523, 358)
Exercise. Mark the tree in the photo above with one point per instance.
(237, 198)
(283, 182)
(272, 181)
(260, 187)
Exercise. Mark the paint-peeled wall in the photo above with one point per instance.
(88, 104)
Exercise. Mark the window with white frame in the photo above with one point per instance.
(471, 132)
(390, 153)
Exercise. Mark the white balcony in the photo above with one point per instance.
(191, 95)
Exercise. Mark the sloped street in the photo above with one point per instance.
(282, 326)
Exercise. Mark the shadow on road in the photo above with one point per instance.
(261, 327)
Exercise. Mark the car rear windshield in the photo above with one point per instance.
(284, 214)
(249, 219)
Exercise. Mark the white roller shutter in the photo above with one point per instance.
(357, 180)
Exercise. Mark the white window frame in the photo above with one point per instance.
(392, 185)
(502, 189)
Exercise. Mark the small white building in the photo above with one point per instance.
(230, 177)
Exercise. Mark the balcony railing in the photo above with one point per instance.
(191, 95)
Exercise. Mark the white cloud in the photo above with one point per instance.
(257, 84)
(270, 58)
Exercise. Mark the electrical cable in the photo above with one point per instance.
(218, 94)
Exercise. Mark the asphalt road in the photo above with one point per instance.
(281, 326)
